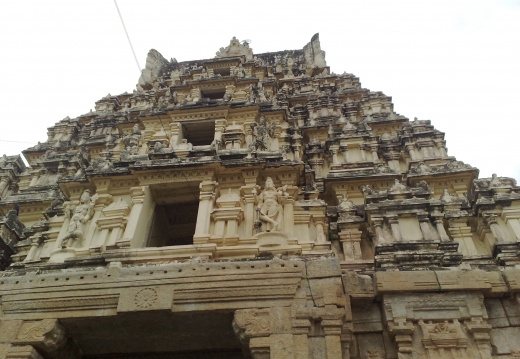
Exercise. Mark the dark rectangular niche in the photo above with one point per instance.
(199, 133)
(173, 224)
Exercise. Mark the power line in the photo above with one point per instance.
(128, 37)
(31, 143)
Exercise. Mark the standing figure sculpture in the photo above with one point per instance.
(132, 142)
(78, 216)
(269, 208)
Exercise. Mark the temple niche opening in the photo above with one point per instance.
(254, 206)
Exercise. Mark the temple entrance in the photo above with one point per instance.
(156, 334)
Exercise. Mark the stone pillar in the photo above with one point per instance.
(140, 213)
(440, 144)
(176, 134)
(35, 339)
(335, 160)
(296, 149)
(403, 334)
(207, 195)
(375, 157)
(461, 233)
(253, 328)
(4, 182)
(424, 223)
(394, 225)
(350, 238)
(363, 153)
(195, 94)
(317, 165)
(36, 242)
(288, 211)
(220, 128)
(410, 147)
(512, 218)
(491, 221)
(332, 330)
(439, 225)
(344, 151)
(301, 328)
(249, 212)
(481, 334)
(320, 234)
(378, 227)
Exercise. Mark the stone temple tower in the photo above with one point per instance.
(254, 206)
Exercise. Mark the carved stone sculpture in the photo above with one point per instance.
(132, 142)
(269, 208)
(235, 48)
(78, 216)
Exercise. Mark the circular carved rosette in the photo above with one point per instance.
(145, 298)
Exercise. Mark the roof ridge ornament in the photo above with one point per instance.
(235, 48)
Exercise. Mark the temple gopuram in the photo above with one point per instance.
(254, 206)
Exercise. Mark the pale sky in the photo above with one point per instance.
(453, 62)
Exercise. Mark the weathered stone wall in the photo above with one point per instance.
(254, 205)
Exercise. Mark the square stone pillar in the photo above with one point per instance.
(207, 196)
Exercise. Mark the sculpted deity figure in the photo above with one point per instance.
(398, 187)
(78, 216)
(346, 205)
(269, 209)
(132, 142)
(240, 72)
(261, 94)
(495, 181)
(447, 197)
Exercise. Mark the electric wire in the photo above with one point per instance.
(127, 36)
(16, 141)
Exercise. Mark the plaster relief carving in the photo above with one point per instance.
(46, 333)
(235, 48)
(147, 298)
(78, 216)
(269, 209)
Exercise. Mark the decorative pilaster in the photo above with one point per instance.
(424, 223)
(207, 196)
(461, 233)
(439, 225)
(491, 221)
(47, 337)
(394, 225)
(350, 238)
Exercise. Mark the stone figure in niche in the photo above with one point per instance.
(423, 185)
(278, 63)
(495, 181)
(421, 168)
(381, 168)
(158, 147)
(262, 134)
(398, 187)
(78, 216)
(239, 71)
(269, 209)
(184, 146)
(446, 197)
(346, 205)
(132, 142)
(260, 94)
(368, 190)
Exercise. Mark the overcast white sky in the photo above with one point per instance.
(453, 62)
